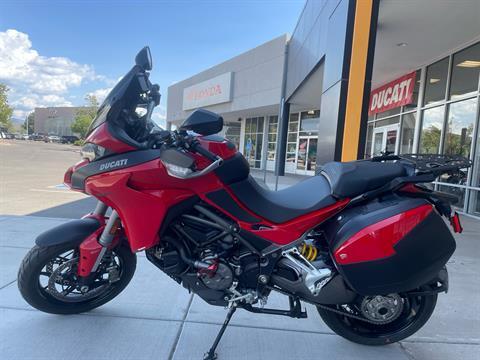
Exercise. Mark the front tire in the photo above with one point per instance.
(416, 312)
(38, 267)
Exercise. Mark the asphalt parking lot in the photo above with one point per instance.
(31, 180)
(155, 318)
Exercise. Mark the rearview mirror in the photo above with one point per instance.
(144, 59)
(203, 122)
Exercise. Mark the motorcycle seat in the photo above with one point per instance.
(350, 179)
(280, 206)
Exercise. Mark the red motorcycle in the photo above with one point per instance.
(363, 241)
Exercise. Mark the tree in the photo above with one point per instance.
(85, 116)
(430, 140)
(30, 122)
(5, 109)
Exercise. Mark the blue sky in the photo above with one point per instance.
(54, 53)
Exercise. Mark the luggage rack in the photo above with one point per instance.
(430, 163)
(425, 163)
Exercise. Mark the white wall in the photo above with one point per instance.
(257, 81)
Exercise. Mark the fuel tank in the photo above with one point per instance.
(390, 245)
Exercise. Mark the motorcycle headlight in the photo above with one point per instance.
(92, 151)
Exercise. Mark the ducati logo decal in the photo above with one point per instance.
(113, 164)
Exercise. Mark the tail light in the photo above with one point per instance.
(455, 222)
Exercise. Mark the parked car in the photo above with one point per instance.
(69, 139)
(52, 138)
(37, 137)
(25, 137)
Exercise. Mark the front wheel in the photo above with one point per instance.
(48, 281)
(391, 318)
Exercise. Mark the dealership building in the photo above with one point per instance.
(55, 120)
(354, 79)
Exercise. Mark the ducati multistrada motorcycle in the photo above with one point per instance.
(363, 241)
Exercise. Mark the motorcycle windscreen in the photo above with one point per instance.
(390, 246)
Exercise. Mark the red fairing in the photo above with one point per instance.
(101, 136)
(377, 241)
(287, 232)
(67, 178)
(142, 195)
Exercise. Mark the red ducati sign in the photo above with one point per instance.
(396, 93)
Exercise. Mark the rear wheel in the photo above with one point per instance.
(391, 318)
(48, 281)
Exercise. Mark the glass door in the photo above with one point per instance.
(385, 138)
(307, 155)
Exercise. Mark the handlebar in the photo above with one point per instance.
(198, 148)
(193, 145)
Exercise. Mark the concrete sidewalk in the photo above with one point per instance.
(155, 318)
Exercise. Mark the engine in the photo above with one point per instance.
(203, 251)
(207, 259)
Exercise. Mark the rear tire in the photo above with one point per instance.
(34, 264)
(413, 317)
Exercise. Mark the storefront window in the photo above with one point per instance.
(459, 131)
(292, 139)
(253, 141)
(232, 132)
(408, 132)
(389, 121)
(368, 143)
(388, 113)
(431, 130)
(309, 122)
(272, 137)
(474, 202)
(436, 82)
(457, 191)
(465, 72)
(476, 164)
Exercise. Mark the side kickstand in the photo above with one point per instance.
(211, 354)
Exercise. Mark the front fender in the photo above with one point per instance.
(72, 232)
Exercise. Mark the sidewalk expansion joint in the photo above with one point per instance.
(406, 351)
(8, 284)
(179, 333)
(16, 247)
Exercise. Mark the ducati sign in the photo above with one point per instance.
(394, 94)
(113, 164)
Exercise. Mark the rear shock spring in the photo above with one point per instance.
(308, 251)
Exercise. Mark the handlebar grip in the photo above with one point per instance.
(202, 151)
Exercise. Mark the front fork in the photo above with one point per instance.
(94, 247)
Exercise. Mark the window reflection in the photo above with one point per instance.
(465, 72)
(253, 141)
(408, 131)
(476, 164)
(475, 202)
(459, 131)
(456, 191)
(431, 130)
(436, 82)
